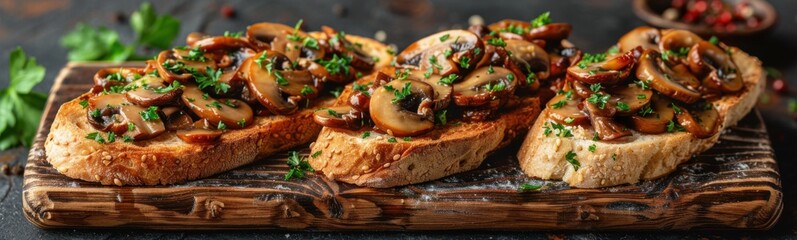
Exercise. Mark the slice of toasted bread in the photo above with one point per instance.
(166, 159)
(374, 161)
(644, 156)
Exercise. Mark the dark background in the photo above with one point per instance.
(37, 26)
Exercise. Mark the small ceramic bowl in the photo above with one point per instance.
(651, 12)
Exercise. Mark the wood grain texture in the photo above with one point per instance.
(735, 185)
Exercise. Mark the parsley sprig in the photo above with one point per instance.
(298, 165)
(87, 43)
(20, 106)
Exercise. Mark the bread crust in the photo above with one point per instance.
(166, 159)
(374, 162)
(645, 156)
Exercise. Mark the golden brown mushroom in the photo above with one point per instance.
(403, 108)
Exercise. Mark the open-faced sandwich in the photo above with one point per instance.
(215, 104)
(452, 98)
(637, 111)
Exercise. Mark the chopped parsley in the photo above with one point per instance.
(96, 136)
(622, 106)
(527, 187)
(127, 138)
(392, 140)
(336, 65)
(233, 34)
(592, 147)
(464, 62)
(570, 157)
(95, 113)
(444, 37)
(211, 79)
(131, 127)
(310, 43)
(169, 88)
(674, 127)
(496, 42)
(645, 111)
(307, 90)
(641, 96)
(361, 88)
(196, 54)
(490, 69)
(447, 52)
(542, 20)
(262, 58)
(280, 79)
(242, 122)
(644, 84)
(366, 134)
(84, 103)
(214, 104)
(400, 95)
(407, 139)
(599, 99)
(298, 166)
(316, 154)
(676, 109)
(591, 58)
(511, 77)
(221, 126)
(569, 120)
(448, 80)
(150, 114)
(559, 104)
(714, 40)
(500, 86)
(441, 117)
(613, 50)
(333, 113)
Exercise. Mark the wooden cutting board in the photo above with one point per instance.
(735, 185)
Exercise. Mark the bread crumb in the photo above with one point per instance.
(386, 165)
(106, 162)
(97, 177)
(618, 167)
(396, 157)
(144, 157)
(117, 182)
(355, 177)
(105, 153)
(378, 156)
(364, 168)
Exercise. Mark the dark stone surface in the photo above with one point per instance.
(37, 26)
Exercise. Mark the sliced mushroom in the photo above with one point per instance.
(566, 111)
(607, 72)
(701, 120)
(263, 84)
(153, 92)
(221, 43)
(530, 57)
(409, 116)
(664, 79)
(176, 118)
(262, 34)
(108, 119)
(608, 129)
(549, 32)
(352, 47)
(674, 40)
(171, 67)
(482, 88)
(201, 132)
(445, 52)
(339, 117)
(232, 112)
(142, 129)
(645, 37)
(442, 92)
(628, 99)
(716, 66)
(561, 59)
(655, 119)
(106, 78)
